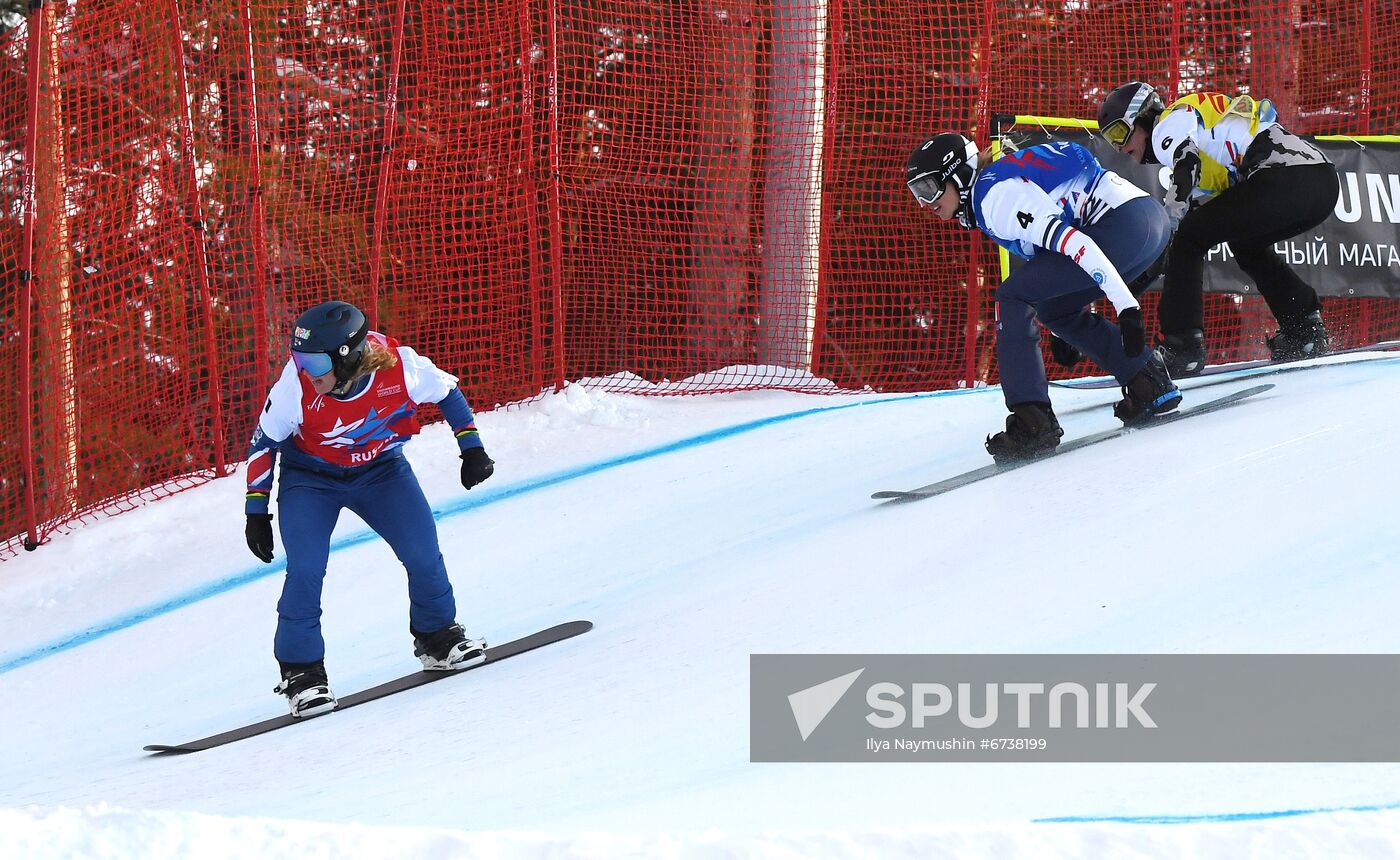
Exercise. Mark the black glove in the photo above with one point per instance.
(1065, 353)
(476, 467)
(1130, 326)
(259, 534)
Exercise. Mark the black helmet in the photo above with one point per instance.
(1134, 104)
(330, 336)
(938, 160)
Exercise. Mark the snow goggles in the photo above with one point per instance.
(312, 363)
(1117, 133)
(927, 189)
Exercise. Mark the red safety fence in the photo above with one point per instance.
(702, 194)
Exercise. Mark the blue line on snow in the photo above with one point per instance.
(1225, 817)
(476, 500)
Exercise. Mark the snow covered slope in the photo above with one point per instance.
(694, 532)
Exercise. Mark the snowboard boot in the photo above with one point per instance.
(448, 649)
(1305, 338)
(1150, 392)
(306, 689)
(1183, 354)
(1031, 431)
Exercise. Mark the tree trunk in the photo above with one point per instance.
(720, 236)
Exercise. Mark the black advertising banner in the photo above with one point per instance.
(1354, 253)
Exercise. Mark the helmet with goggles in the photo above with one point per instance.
(330, 337)
(941, 159)
(1133, 105)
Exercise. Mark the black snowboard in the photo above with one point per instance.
(495, 654)
(938, 488)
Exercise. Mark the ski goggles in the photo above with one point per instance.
(1117, 133)
(927, 189)
(312, 363)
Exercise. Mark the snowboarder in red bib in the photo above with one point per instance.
(339, 415)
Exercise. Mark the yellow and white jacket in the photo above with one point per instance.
(1213, 141)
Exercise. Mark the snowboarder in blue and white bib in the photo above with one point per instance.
(1084, 232)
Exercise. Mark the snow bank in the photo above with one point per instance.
(105, 832)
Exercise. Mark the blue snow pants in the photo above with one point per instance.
(387, 496)
(1052, 287)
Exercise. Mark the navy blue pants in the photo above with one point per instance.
(1052, 287)
(386, 495)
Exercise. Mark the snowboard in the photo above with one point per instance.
(985, 472)
(1263, 366)
(495, 654)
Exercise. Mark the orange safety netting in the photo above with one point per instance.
(705, 194)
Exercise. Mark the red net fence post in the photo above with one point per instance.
(547, 287)
(654, 197)
(211, 378)
(23, 475)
